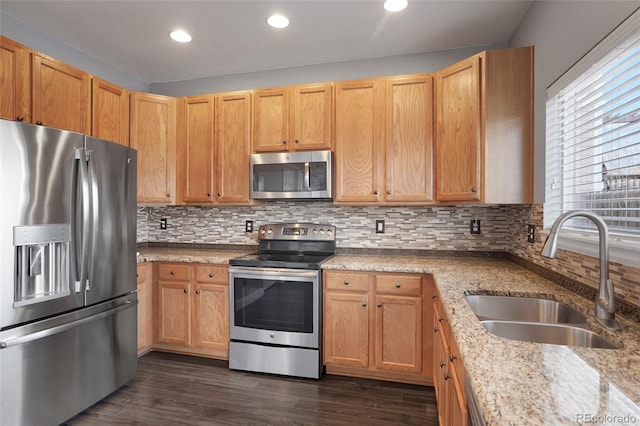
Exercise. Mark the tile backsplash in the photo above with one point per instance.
(503, 229)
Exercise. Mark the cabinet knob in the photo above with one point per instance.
(397, 285)
(39, 123)
(452, 357)
(434, 297)
(440, 319)
(137, 275)
(210, 274)
(168, 195)
(185, 290)
(364, 304)
(474, 189)
(284, 142)
(435, 329)
(346, 282)
(388, 192)
(297, 141)
(20, 118)
(208, 194)
(219, 194)
(442, 364)
(379, 305)
(197, 291)
(173, 272)
(446, 377)
(375, 192)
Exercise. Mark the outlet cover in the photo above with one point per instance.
(248, 226)
(531, 233)
(379, 226)
(474, 226)
(163, 223)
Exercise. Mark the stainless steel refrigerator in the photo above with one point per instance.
(68, 309)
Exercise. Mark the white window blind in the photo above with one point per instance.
(593, 137)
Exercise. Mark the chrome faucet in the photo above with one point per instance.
(605, 303)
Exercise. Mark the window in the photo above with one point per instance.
(593, 137)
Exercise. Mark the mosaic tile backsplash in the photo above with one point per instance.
(411, 228)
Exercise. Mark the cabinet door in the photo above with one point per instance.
(233, 147)
(458, 127)
(409, 141)
(346, 329)
(458, 412)
(110, 112)
(271, 120)
(61, 95)
(15, 87)
(211, 317)
(145, 306)
(398, 333)
(153, 134)
(311, 117)
(197, 149)
(173, 313)
(440, 371)
(358, 132)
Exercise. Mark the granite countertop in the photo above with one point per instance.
(514, 382)
(522, 382)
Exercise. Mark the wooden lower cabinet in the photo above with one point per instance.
(145, 307)
(377, 325)
(448, 372)
(192, 314)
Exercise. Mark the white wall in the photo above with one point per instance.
(36, 39)
(562, 32)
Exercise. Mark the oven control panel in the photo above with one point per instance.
(297, 231)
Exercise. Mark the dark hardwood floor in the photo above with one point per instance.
(182, 390)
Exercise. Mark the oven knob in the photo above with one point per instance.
(272, 335)
(262, 231)
(270, 231)
(329, 232)
(321, 231)
(315, 231)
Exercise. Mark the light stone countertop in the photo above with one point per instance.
(520, 383)
(515, 383)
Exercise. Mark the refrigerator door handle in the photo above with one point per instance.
(15, 341)
(81, 225)
(94, 209)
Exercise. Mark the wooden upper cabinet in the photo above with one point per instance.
(153, 135)
(458, 132)
(233, 147)
(409, 139)
(15, 87)
(484, 128)
(271, 130)
(359, 114)
(196, 145)
(110, 112)
(293, 118)
(311, 117)
(61, 95)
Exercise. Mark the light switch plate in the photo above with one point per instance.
(248, 226)
(531, 233)
(379, 226)
(474, 226)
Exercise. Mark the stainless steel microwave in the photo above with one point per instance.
(292, 175)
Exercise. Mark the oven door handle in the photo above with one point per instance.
(271, 272)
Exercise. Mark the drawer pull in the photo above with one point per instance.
(397, 285)
(434, 297)
(440, 319)
(185, 290)
(346, 282)
(452, 357)
(197, 291)
(173, 272)
(364, 304)
(442, 364)
(210, 274)
(379, 305)
(446, 377)
(435, 329)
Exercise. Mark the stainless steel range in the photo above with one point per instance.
(276, 301)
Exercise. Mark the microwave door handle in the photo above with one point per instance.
(307, 176)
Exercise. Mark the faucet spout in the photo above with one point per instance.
(605, 302)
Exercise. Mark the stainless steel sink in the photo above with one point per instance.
(557, 334)
(527, 309)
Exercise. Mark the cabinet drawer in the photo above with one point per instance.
(349, 281)
(212, 274)
(174, 272)
(399, 284)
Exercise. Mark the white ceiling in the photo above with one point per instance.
(232, 37)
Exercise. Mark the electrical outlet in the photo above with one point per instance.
(248, 226)
(474, 226)
(531, 233)
(379, 226)
(163, 223)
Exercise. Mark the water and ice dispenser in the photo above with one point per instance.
(42, 262)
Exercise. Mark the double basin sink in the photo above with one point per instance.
(535, 320)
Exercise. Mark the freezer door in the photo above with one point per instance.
(38, 177)
(53, 369)
(112, 256)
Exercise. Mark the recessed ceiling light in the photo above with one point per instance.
(395, 5)
(278, 21)
(180, 36)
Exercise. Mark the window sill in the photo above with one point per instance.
(625, 251)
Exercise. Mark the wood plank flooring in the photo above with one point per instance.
(172, 389)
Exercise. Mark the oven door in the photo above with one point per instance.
(275, 306)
